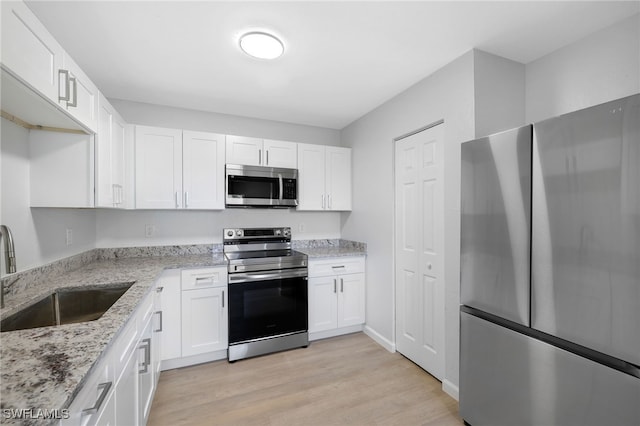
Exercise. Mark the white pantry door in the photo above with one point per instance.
(419, 248)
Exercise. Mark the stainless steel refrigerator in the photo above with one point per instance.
(550, 272)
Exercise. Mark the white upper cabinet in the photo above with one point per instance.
(280, 154)
(110, 157)
(203, 170)
(77, 94)
(324, 178)
(249, 151)
(158, 168)
(338, 178)
(244, 150)
(32, 56)
(29, 51)
(176, 170)
(61, 167)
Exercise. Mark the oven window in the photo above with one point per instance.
(253, 187)
(267, 308)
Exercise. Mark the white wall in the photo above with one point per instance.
(39, 234)
(447, 94)
(499, 93)
(179, 118)
(599, 68)
(115, 228)
(126, 228)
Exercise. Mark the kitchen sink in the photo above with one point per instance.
(66, 306)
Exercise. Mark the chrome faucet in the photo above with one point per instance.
(9, 260)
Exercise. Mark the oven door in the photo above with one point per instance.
(267, 304)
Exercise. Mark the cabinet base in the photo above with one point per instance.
(268, 345)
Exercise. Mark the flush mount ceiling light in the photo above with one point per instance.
(261, 45)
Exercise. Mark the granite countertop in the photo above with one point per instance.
(330, 248)
(43, 368)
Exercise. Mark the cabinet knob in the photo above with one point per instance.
(429, 266)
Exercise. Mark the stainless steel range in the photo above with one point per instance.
(268, 308)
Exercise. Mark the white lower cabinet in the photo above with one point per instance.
(336, 294)
(171, 336)
(127, 393)
(92, 403)
(146, 372)
(194, 316)
(120, 389)
(204, 311)
(108, 415)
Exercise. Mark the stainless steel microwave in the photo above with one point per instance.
(257, 186)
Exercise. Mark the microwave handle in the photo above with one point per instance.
(281, 185)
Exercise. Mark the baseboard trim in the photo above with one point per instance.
(380, 339)
(170, 364)
(317, 335)
(451, 389)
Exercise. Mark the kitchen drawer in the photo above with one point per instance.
(203, 278)
(336, 266)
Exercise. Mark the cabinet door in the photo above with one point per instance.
(280, 154)
(29, 51)
(146, 373)
(203, 157)
(204, 320)
(108, 415)
(127, 393)
(157, 330)
(338, 178)
(92, 401)
(118, 141)
(170, 338)
(81, 95)
(158, 168)
(311, 177)
(351, 296)
(323, 303)
(244, 150)
(103, 162)
(61, 169)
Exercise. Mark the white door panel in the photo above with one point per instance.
(419, 242)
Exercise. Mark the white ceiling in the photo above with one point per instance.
(342, 59)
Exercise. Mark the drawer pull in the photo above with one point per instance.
(146, 345)
(201, 280)
(160, 329)
(104, 387)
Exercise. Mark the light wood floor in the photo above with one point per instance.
(346, 380)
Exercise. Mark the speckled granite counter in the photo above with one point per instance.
(42, 368)
(330, 248)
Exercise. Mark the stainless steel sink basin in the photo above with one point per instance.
(66, 306)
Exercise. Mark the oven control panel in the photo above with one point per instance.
(238, 234)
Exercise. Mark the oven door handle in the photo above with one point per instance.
(244, 277)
